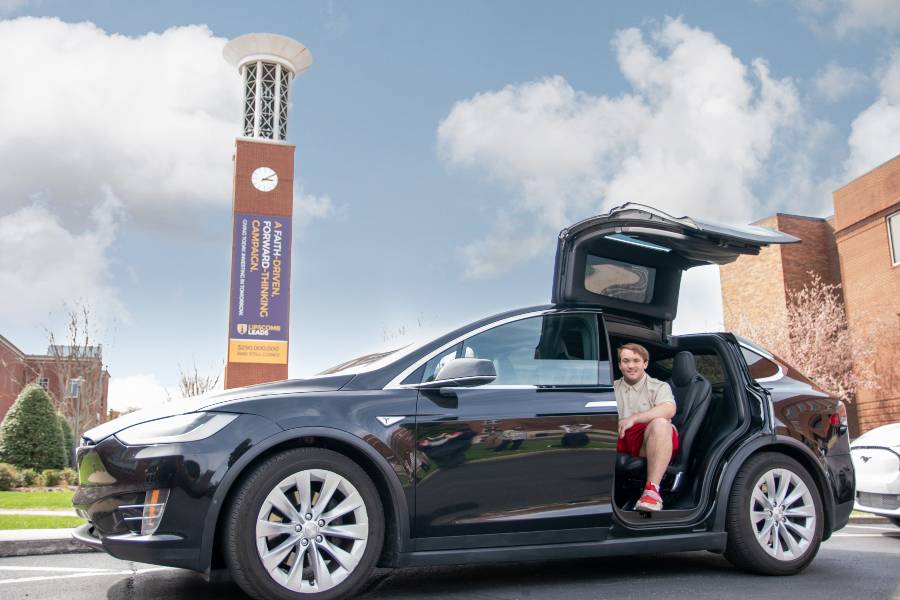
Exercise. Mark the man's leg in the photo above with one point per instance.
(657, 448)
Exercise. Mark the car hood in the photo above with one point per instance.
(213, 400)
(887, 436)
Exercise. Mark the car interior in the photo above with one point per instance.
(707, 414)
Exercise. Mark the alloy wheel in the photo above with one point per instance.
(782, 514)
(312, 530)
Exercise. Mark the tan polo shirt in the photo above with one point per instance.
(642, 396)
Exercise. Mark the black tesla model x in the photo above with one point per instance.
(494, 442)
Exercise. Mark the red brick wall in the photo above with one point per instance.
(12, 377)
(872, 283)
(753, 287)
(816, 254)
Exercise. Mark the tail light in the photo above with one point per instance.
(839, 418)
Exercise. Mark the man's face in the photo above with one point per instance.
(632, 365)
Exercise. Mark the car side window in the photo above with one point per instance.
(760, 366)
(549, 350)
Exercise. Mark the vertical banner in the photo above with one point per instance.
(260, 289)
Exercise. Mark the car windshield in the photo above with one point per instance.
(369, 362)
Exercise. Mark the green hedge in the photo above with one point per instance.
(8, 477)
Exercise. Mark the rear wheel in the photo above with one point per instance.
(774, 516)
(307, 523)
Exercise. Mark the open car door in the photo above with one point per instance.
(629, 261)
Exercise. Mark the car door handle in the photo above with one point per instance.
(601, 404)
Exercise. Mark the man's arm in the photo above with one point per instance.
(665, 410)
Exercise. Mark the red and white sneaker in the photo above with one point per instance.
(650, 500)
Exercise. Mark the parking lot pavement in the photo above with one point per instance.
(858, 562)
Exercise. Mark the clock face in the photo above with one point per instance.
(264, 179)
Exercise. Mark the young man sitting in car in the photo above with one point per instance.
(646, 407)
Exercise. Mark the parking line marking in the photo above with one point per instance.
(878, 535)
(55, 569)
(876, 527)
(79, 575)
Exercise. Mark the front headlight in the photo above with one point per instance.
(180, 428)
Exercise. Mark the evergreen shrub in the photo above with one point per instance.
(30, 436)
(8, 477)
(27, 477)
(52, 477)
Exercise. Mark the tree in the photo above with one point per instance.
(192, 383)
(30, 436)
(68, 439)
(78, 367)
(816, 340)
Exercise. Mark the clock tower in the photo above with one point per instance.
(263, 204)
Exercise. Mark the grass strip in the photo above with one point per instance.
(47, 500)
(38, 522)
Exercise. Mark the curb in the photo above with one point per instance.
(873, 520)
(40, 547)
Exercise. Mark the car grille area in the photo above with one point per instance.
(885, 501)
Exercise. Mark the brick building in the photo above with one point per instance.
(858, 248)
(72, 382)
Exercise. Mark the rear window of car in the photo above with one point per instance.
(620, 280)
(760, 366)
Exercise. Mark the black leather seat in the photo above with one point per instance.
(692, 394)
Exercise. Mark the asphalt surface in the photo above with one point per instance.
(861, 561)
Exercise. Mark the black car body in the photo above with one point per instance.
(523, 467)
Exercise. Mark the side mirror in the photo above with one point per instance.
(462, 372)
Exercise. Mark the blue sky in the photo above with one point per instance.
(440, 147)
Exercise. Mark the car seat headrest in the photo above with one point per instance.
(684, 369)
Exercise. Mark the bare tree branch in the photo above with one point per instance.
(817, 340)
(192, 383)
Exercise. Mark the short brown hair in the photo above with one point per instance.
(636, 348)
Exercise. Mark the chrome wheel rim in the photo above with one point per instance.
(312, 530)
(782, 514)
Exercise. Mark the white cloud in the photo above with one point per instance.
(44, 265)
(693, 137)
(151, 117)
(835, 82)
(875, 133)
(843, 17)
(135, 392)
(700, 302)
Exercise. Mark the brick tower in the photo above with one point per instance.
(263, 204)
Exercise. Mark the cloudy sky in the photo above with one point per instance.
(440, 148)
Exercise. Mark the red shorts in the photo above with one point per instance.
(634, 439)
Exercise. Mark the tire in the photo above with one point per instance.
(796, 516)
(895, 520)
(266, 529)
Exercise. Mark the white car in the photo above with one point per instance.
(876, 460)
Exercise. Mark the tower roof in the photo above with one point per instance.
(268, 47)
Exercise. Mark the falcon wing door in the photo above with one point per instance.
(630, 260)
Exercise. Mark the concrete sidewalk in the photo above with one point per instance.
(33, 542)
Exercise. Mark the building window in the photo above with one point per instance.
(73, 389)
(44, 383)
(893, 223)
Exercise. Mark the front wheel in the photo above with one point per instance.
(774, 516)
(306, 523)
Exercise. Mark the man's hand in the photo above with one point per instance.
(625, 424)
